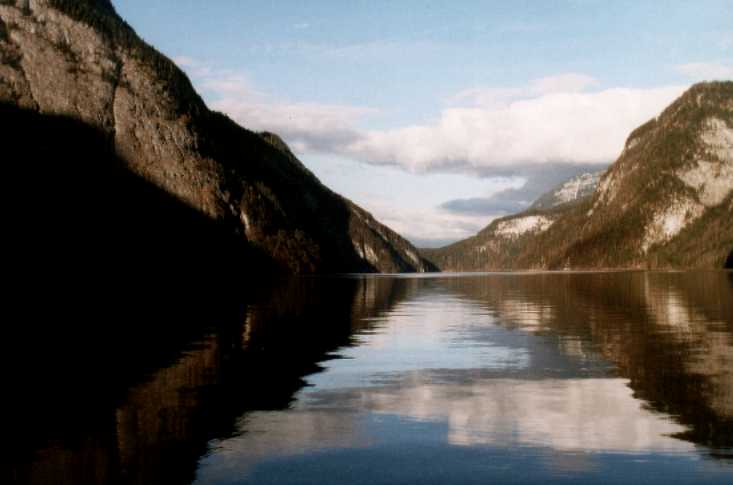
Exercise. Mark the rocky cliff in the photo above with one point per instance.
(666, 202)
(77, 61)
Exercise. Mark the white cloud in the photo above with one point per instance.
(426, 223)
(491, 97)
(563, 83)
(306, 126)
(706, 71)
(558, 127)
(549, 120)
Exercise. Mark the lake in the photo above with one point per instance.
(477, 378)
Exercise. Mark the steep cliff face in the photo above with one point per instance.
(78, 59)
(666, 202)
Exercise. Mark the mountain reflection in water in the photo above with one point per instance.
(448, 378)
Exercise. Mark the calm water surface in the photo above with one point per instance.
(571, 378)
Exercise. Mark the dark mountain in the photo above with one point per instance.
(666, 202)
(142, 157)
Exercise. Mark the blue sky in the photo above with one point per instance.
(407, 106)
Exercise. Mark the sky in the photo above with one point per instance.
(439, 116)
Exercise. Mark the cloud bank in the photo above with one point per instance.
(483, 130)
(559, 127)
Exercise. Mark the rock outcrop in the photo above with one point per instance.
(79, 60)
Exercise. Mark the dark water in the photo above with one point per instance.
(571, 378)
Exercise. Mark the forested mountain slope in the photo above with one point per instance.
(666, 202)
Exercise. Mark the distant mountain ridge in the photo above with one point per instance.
(666, 202)
(78, 59)
(571, 191)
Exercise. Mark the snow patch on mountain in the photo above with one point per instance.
(578, 187)
(574, 189)
(522, 225)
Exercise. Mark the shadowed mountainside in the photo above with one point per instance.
(75, 216)
(79, 60)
